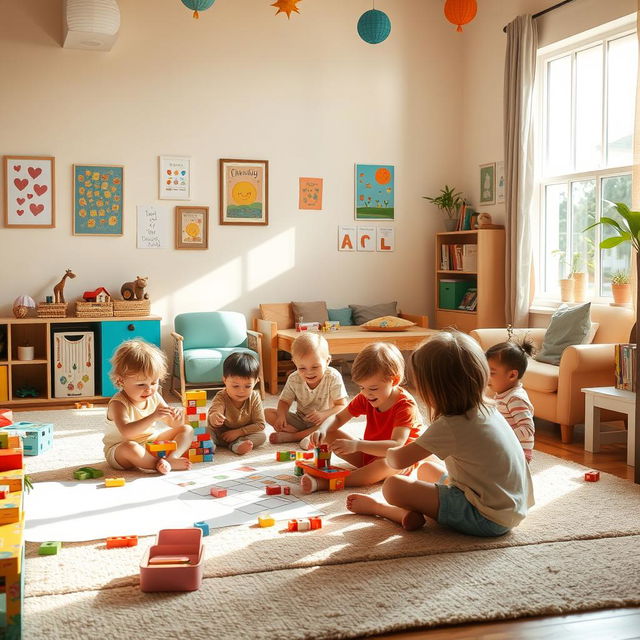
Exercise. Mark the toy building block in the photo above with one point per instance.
(218, 492)
(6, 417)
(592, 476)
(4, 491)
(315, 522)
(11, 509)
(285, 456)
(335, 475)
(304, 455)
(266, 520)
(305, 524)
(122, 541)
(84, 405)
(298, 471)
(13, 479)
(286, 491)
(10, 459)
(273, 490)
(79, 474)
(36, 437)
(203, 526)
(49, 548)
(87, 472)
(10, 439)
(161, 445)
(114, 482)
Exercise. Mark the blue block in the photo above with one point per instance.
(206, 444)
(202, 525)
(161, 454)
(208, 457)
(198, 431)
(37, 437)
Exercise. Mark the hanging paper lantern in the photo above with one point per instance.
(21, 306)
(286, 6)
(197, 5)
(374, 26)
(460, 11)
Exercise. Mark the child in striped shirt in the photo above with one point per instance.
(507, 364)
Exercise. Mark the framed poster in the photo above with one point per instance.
(310, 193)
(488, 183)
(499, 182)
(174, 178)
(366, 238)
(154, 230)
(192, 227)
(98, 200)
(386, 239)
(347, 237)
(29, 192)
(375, 191)
(244, 192)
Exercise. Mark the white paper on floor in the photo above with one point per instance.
(87, 510)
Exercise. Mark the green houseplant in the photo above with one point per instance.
(627, 230)
(449, 202)
(621, 287)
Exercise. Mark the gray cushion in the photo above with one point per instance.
(310, 311)
(205, 365)
(568, 326)
(363, 313)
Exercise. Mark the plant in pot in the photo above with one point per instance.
(621, 288)
(449, 202)
(572, 288)
(627, 229)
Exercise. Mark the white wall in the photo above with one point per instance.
(306, 94)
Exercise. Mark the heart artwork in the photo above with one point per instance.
(34, 172)
(40, 188)
(29, 195)
(20, 184)
(19, 211)
(36, 208)
(20, 200)
(17, 167)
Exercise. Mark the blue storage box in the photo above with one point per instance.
(37, 437)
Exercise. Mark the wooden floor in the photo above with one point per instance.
(607, 624)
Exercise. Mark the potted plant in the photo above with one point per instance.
(621, 288)
(572, 288)
(449, 202)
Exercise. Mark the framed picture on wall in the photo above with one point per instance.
(98, 200)
(375, 192)
(174, 178)
(29, 192)
(244, 192)
(192, 227)
(500, 183)
(488, 183)
(310, 193)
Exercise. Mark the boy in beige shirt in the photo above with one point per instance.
(236, 416)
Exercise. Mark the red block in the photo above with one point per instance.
(316, 522)
(192, 411)
(203, 436)
(286, 491)
(10, 459)
(122, 541)
(6, 417)
(308, 455)
(273, 490)
(216, 492)
(592, 476)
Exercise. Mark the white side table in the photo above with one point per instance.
(597, 398)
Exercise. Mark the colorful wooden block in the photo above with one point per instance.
(286, 491)
(315, 522)
(4, 491)
(122, 541)
(13, 479)
(592, 476)
(12, 578)
(298, 471)
(79, 474)
(273, 490)
(203, 526)
(114, 482)
(49, 548)
(266, 520)
(218, 492)
(9, 440)
(37, 437)
(10, 459)
(6, 417)
(89, 472)
(11, 508)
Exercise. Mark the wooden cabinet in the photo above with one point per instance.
(484, 264)
(20, 379)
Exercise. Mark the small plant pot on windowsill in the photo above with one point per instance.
(579, 286)
(566, 289)
(621, 293)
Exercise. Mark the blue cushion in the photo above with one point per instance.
(568, 326)
(205, 365)
(343, 316)
(207, 329)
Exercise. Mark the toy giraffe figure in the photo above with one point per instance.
(58, 290)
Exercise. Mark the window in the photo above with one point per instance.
(587, 104)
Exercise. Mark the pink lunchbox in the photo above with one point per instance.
(179, 576)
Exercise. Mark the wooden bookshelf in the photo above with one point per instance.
(487, 278)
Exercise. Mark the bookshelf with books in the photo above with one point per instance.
(469, 282)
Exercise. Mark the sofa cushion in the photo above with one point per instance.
(541, 377)
(344, 316)
(205, 365)
(389, 322)
(310, 311)
(568, 326)
(363, 313)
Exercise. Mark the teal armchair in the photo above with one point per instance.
(202, 342)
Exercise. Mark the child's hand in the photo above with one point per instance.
(178, 416)
(344, 446)
(316, 438)
(231, 435)
(162, 411)
(217, 419)
(316, 418)
(280, 424)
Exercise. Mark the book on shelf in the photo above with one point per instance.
(469, 257)
(459, 257)
(469, 300)
(625, 366)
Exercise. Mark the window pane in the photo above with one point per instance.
(583, 250)
(555, 236)
(621, 95)
(558, 156)
(589, 100)
(616, 189)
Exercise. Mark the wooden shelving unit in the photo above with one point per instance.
(488, 278)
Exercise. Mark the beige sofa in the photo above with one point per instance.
(555, 391)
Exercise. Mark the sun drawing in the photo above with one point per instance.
(244, 193)
(193, 230)
(383, 175)
(286, 6)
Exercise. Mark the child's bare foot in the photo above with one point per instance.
(305, 443)
(308, 484)
(163, 466)
(277, 437)
(244, 447)
(179, 464)
(362, 504)
(412, 521)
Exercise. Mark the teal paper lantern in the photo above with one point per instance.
(374, 26)
(197, 5)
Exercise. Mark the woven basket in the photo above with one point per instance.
(51, 310)
(133, 308)
(94, 309)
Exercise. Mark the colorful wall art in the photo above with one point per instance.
(29, 190)
(310, 195)
(98, 200)
(375, 191)
(244, 192)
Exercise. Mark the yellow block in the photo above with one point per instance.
(11, 508)
(4, 385)
(196, 458)
(114, 482)
(11, 545)
(266, 520)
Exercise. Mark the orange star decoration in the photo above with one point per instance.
(286, 6)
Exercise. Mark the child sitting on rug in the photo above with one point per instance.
(392, 416)
(489, 488)
(134, 411)
(507, 364)
(317, 389)
(236, 415)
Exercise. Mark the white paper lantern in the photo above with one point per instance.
(91, 24)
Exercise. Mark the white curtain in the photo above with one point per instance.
(519, 75)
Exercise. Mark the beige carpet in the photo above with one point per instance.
(578, 549)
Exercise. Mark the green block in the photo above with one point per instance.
(298, 471)
(93, 473)
(451, 292)
(49, 548)
(81, 474)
